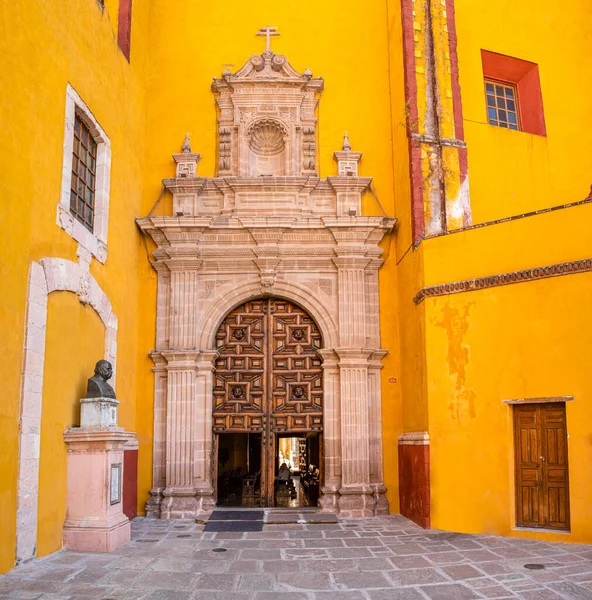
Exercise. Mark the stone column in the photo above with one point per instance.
(179, 500)
(329, 500)
(357, 498)
(203, 450)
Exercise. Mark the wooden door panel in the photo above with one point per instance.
(529, 507)
(239, 370)
(296, 376)
(528, 471)
(555, 467)
(268, 376)
(542, 491)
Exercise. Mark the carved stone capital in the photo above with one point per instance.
(180, 359)
(353, 357)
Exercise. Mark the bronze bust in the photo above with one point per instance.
(97, 385)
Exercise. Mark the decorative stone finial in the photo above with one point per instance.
(97, 385)
(346, 144)
(186, 147)
(186, 160)
(307, 73)
(347, 161)
(268, 32)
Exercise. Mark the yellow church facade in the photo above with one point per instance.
(472, 122)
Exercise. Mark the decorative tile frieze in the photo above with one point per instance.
(479, 283)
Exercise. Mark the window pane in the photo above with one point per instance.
(502, 124)
(512, 117)
(490, 101)
(499, 90)
(501, 103)
(492, 113)
(509, 92)
(514, 127)
(502, 115)
(511, 105)
(489, 87)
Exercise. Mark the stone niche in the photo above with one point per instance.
(267, 225)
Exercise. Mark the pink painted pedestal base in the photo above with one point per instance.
(93, 523)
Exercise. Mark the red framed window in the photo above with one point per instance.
(513, 93)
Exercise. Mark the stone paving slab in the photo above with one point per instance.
(385, 558)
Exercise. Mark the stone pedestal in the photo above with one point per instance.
(94, 508)
(98, 412)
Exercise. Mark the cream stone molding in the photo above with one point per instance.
(543, 400)
(47, 276)
(267, 225)
(414, 438)
(94, 241)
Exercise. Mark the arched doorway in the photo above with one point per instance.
(267, 406)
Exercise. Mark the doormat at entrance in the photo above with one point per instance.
(237, 526)
(236, 515)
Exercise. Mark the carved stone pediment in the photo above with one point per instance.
(268, 65)
(267, 123)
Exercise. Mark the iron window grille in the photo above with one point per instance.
(84, 165)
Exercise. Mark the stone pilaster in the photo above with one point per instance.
(183, 305)
(159, 436)
(352, 297)
(357, 499)
(329, 500)
(203, 451)
(179, 500)
(163, 301)
(375, 433)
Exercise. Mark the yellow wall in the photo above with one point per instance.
(43, 46)
(526, 339)
(520, 341)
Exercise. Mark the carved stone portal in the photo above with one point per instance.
(267, 226)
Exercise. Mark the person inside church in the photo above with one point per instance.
(284, 473)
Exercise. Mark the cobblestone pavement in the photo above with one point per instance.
(387, 558)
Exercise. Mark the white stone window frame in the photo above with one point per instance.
(94, 241)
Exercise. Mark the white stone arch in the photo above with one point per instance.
(292, 291)
(47, 276)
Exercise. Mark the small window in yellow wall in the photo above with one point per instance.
(84, 163)
(502, 104)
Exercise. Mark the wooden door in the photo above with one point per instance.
(542, 486)
(268, 377)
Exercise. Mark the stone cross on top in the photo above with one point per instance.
(268, 32)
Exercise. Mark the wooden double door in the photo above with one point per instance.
(267, 379)
(542, 483)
